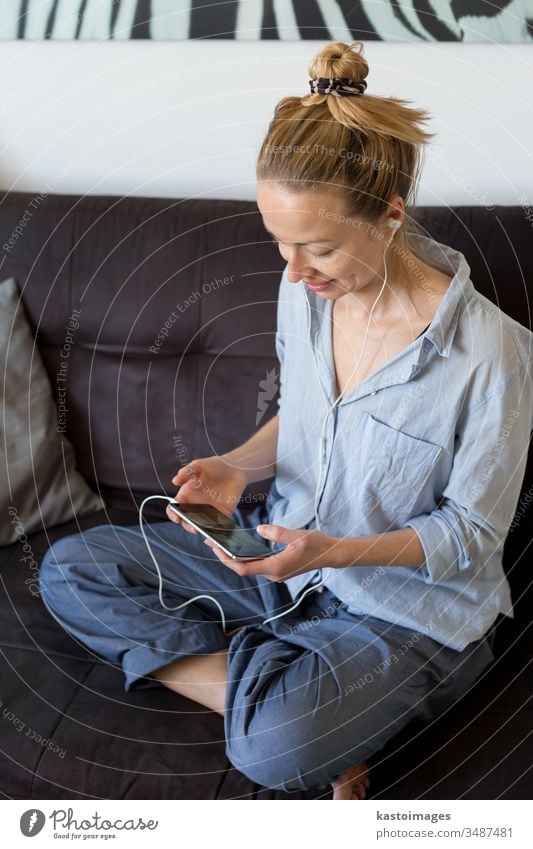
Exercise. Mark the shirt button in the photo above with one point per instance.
(374, 392)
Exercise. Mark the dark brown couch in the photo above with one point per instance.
(140, 404)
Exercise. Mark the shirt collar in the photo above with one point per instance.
(442, 329)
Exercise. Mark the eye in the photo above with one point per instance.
(317, 256)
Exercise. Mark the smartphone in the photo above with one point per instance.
(238, 543)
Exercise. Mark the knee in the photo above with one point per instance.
(53, 559)
(280, 759)
(281, 712)
(69, 549)
(281, 745)
(57, 562)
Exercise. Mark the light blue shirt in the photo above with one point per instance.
(436, 439)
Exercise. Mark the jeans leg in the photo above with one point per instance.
(102, 587)
(312, 694)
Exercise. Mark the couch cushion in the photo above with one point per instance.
(39, 483)
(478, 749)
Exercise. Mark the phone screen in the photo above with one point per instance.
(240, 542)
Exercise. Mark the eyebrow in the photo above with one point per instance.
(310, 242)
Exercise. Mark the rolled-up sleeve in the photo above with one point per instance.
(474, 515)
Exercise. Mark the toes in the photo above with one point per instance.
(353, 783)
(349, 791)
(341, 792)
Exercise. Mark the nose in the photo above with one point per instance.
(296, 272)
(294, 276)
(292, 258)
(295, 259)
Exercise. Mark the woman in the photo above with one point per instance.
(396, 474)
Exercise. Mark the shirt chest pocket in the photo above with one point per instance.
(394, 469)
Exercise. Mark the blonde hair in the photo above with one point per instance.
(365, 147)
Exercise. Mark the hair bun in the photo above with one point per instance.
(338, 59)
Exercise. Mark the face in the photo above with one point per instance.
(332, 253)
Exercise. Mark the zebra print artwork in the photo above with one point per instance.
(290, 20)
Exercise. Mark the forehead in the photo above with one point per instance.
(272, 198)
(293, 215)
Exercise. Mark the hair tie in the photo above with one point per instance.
(339, 86)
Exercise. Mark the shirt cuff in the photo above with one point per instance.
(445, 550)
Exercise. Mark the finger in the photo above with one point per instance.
(228, 511)
(184, 474)
(277, 533)
(181, 476)
(220, 554)
(247, 567)
(276, 564)
(173, 516)
(234, 565)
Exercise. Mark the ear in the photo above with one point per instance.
(395, 210)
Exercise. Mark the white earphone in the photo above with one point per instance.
(394, 225)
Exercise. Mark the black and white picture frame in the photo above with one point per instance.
(254, 20)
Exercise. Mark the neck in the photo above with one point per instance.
(394, 300)
(405, 272)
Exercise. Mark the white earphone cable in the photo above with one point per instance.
(394, 225)
(159, 575)
(316, 586)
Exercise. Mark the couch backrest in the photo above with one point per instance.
(160, 316)
(167, 311)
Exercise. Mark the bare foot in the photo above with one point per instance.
(353, 783)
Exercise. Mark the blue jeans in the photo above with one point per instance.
(308, 695)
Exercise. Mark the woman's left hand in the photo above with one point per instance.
(305, 551)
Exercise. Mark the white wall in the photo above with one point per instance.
(184, 118)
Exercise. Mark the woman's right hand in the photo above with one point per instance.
(208, 480)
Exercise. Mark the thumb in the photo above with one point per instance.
(277, 533)
(185, 473)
